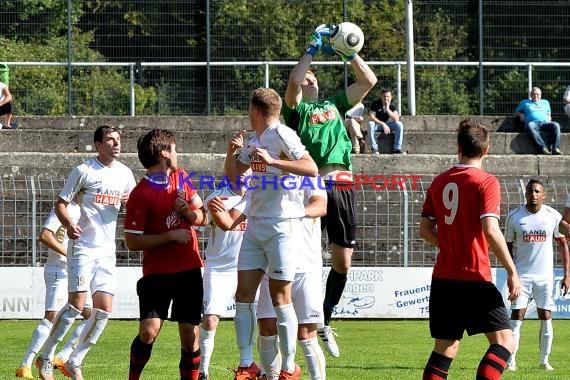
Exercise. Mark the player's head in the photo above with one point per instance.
(107, 141)
(265, 103)
(310, 86)
(386, 95)
(535, 193)
(157, 145)
(472, 139)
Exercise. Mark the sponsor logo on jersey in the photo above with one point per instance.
(534, 236)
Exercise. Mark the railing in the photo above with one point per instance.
(388, 221)
(279, 69)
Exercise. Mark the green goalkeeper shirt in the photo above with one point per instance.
(320, 126)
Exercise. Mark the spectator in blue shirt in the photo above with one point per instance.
(535, 113)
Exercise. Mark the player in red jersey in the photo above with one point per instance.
(161, 213)
(460, 216)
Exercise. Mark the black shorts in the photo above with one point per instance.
(6, 108)
(456, 306)
(340, 220)
(183, 289)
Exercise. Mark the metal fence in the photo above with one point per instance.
(180, 57)
(388, 222)
(191, 97)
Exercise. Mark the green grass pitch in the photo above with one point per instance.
(370, 350)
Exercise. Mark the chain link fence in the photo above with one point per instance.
(388, 223)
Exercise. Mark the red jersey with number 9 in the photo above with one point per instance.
(457, 200)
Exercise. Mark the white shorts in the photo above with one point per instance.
(307, 298)
(539, 289)
(272, 245)
(55, 277)
(89, 273)
(219, 291)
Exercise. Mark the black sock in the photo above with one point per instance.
(189, 365)
(140, 355)
(335, 286)
(437, 367)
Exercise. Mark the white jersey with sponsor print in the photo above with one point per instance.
(98, 189)
(533, 236)
(312, 259)
(223, 246)
(54, 225)
(274, 193)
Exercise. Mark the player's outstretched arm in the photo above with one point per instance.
(498, 245)
(365, 80)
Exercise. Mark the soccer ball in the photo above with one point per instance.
(347, 38)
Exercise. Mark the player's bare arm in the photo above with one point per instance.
(564, 226)
(499, 248)
(428, 231)
(225, 220)
(47, 238)
(294, 93)
(197, 216)
(303, 166)
(231, 165)
(316, 208)
(73, 230)
(365, 80)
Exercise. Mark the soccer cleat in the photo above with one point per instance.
(46, 368)
(202, 376)
(327, 335)
(546, 367)
(72, 371)
(247, 373)
(58, 363)
(511, 367)
(24, 371)
(296, 374)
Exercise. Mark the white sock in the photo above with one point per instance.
(287, 327)
(91, 333)
(546, 337)
(269, 356)
(245, 322)
(61, 326)
(71, 343)
(206, 348)
(39, 337)
(315, 358)
(516, 327)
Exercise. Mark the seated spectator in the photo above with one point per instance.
(353, 119)
(5, 105)
(384, 117)
(535, 113)
(566, 99)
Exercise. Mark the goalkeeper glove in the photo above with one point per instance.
(316, 39)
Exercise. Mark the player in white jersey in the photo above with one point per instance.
(101, 185)
(53, 236)
(276, 157)
(529, 231)
(306, 294)
(220, 270)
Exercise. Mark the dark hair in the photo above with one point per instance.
(385, 90)
(472, 138)
(151, 145)
(267, 100)
(103, 130)
(534, 181)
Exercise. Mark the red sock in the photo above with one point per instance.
(493, 363)
(189, 365)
